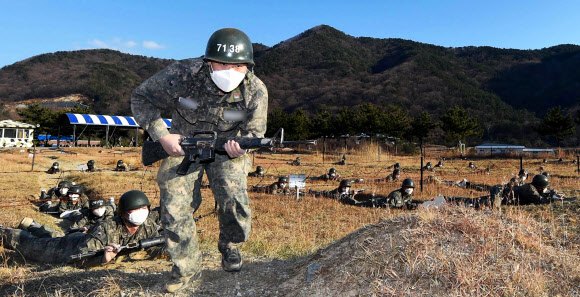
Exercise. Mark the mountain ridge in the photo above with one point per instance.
(507, 89)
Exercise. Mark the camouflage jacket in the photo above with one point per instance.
(53, 170)
(86, 218)
(326, 177)
(398, 199)
(527, 194)
(121, 167)
(256, 174)
(115, 231)
(65, 205)
(241, 112)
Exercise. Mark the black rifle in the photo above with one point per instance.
(141, 244)
(200, 147)
(552, 196)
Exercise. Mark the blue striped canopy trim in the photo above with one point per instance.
(106, 120)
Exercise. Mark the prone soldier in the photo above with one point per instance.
(278, 187)
(258, 173)
(91, 166)
(121, 166)
(135, 223)
(53, 169)
(331, 175)
(401, 198)
(296, 162)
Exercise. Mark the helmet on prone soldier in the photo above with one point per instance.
(408, 183)
(260, 169)
(95, 203)
(345, 183)
(283, 179)
(64, 184)
(132, 200)
(540, 181)
(76, 189)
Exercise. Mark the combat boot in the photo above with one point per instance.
(231, 258)
(27, 223)
(179, 283)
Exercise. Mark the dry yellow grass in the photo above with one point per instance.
(521, 251)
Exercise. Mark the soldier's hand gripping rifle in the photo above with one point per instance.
(200, 147)
(141, 244)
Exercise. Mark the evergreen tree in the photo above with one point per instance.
(276, 119)
(396, 121)
(459, 124)
(421, 127)
(322, 123)
(38, 115)
(298, 126)
(557, 125)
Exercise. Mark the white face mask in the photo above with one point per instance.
(227, 80)
(545, 191)
(409, 191)
(138, 217)
(55, 167)
(74, 197)
(99, 212)
(345, 190)
(63, 191)
(332, 175)
(523, 178)
(282, 186)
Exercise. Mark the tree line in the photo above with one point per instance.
(457, 124)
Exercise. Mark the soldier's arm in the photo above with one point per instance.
(158, 93)
(257, 104)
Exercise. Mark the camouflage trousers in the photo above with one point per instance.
(180, 196)
(48, 250)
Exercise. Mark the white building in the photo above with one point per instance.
(500, 148)
(16, 134)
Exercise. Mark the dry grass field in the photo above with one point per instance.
(317, 246)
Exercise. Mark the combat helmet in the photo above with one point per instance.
(64, 184)
(229, 45)
(76, 189)
(132, 200)
(523, 172)
(120, 162)
(540, 181)
(408, 183)
(91, 163)
(95, 203)
(260, 169)
(283, 179)
(345, 183)
(55, 164)
(332, 171)
(428, 164)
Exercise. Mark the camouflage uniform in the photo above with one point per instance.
(396, 199)
(227, 177)
(326, 177)
(54, 194)
(256, 174)
(58, 250)
(272, 189)
(53, 170)
(86, 217)
(516, 181)
(121, 167)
